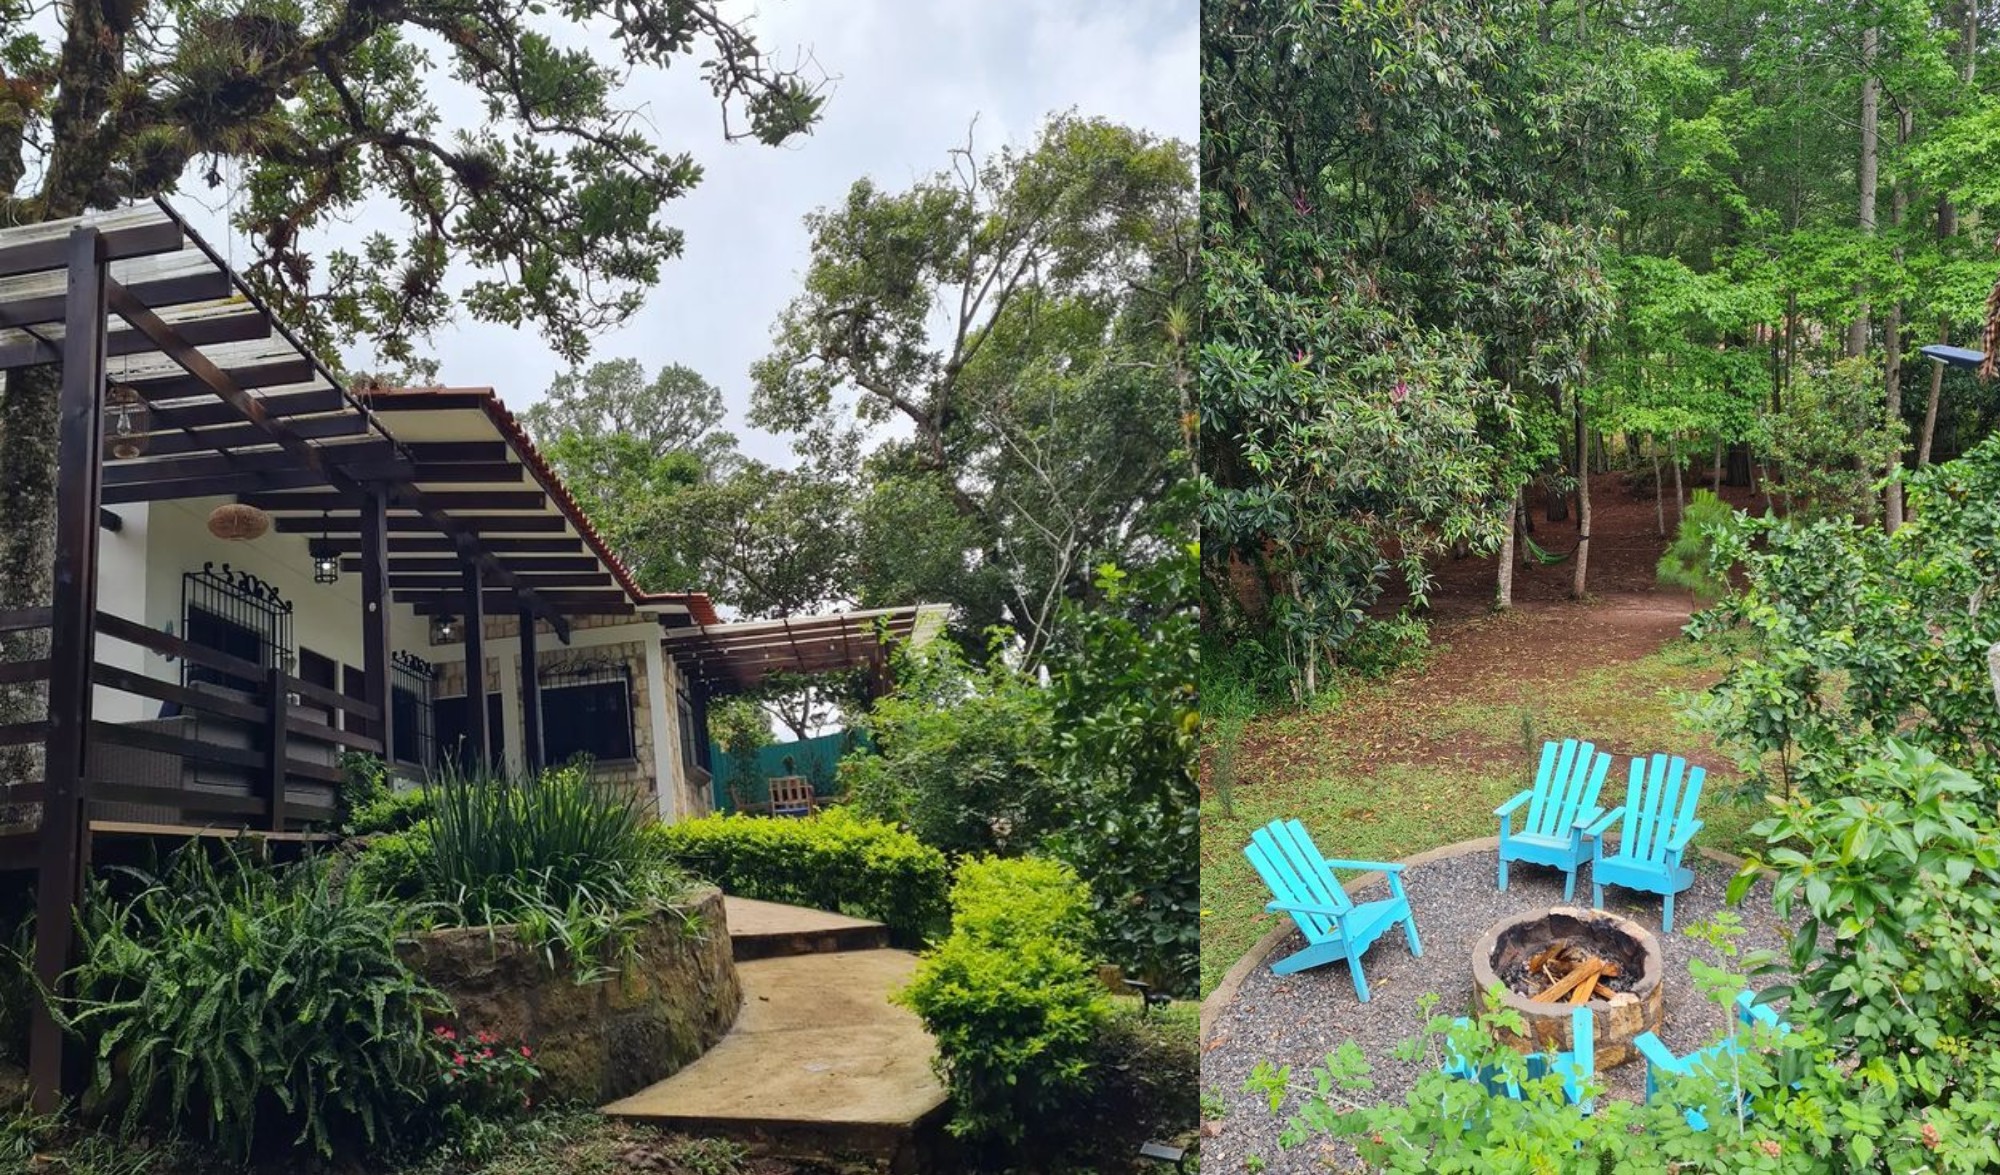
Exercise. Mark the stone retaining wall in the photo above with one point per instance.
(603, 1040)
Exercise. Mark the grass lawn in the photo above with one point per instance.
(1395, 768)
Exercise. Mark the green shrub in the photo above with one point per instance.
(392, 864)
(958, 754)
(833, 860)
(390, 812)
(1690, 562)
(364, 780)
(1011, 999)
(223, 1001)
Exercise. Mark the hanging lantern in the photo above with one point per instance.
(325, 556)
(444, 629)
(237, 523)
(129, 421)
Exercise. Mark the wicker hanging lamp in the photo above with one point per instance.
(238, 523)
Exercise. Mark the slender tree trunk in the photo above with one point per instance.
(27, 544)
(1715, 474)
(1866, 171)
(1931, 404)
(1659, 491)
(1947, 227)
(1582, 502)
(1503, 588)
(1674, 459)
(1892, 331)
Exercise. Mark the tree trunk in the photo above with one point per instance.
(1503, 589)
(27, 544)
(1871, 103)
(1715, 474)
(1930, 405)
(1582, 505)
(1659, 493)
(1680, 500)
(1892, 365)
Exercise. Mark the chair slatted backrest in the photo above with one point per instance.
(1285, 857)
(1566, 785)
(1659, 798)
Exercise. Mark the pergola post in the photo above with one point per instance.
(475, 666)
(375, 641)
(72, 641)
(531, 698)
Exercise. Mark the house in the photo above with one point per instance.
(258, 569)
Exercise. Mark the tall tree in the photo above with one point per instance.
(1015, 314)
(676, 411)
(550, 202)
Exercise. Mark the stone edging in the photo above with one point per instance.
(1232, 980)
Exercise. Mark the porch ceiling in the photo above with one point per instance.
(730, 658)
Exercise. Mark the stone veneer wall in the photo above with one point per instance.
(596, 1041)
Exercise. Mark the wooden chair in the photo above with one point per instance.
(1658, 822)
(1561, 804)
(1712, 1061)
(1578, 1066)
(1303, 885)
(792, 795)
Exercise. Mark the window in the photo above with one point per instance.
(587, 711)
(689, 756)
(411, 679)
(448, 718)
(235, 613)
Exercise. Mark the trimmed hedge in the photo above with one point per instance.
(1013, 1002)
(834, 860)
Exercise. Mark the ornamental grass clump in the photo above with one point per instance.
(237, 1003)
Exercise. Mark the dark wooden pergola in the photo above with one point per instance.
(233, 405)
(735, 657)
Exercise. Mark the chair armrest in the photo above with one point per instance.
(1657, 1054)
(1384, 866)
(1508, 807)
(1304, 908)
(1584, 818)
(1605, 822)
(1679, 843)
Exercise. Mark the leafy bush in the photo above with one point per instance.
(390, 812)
(1126, 724)
(364, 780)
(1690, 561)
(958, 754)
(835, 859)
(482, 1075)
(392, 864)
(1011, 998)
(225, 999)
(1851, 636)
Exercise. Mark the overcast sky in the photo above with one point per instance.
(905, 79)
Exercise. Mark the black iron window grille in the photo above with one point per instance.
(412, 685)
(236, 613)
(587, 710)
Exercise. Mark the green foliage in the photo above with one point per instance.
(958, 754)
(390, 811)
(834, 859)
(1689, 561)
(1126, 723)
(364, 783)
(482, 1076)
(741, 728)
(393, 864)
(1011, 998)
(1832, 441)
(1851, 636)
(236, 1003)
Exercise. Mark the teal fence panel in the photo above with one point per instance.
(818, 759)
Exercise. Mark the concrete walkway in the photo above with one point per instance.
(819, 1061)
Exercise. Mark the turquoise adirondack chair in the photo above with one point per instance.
(1303, 885)
(1578, 1066)
(1713, 1060)
(1658, 822)
(1561, 805)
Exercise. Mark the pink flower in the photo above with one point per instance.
(1400, 393)
(1300, 206)
(458, 1058)
(486, 1053)
(1771, 1147)
(526, 1051)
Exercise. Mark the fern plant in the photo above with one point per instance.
(228, 996)
(1690, 561)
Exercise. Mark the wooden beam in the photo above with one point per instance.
(241, 436)
(270, 374)
(518, 563)
(428, 602)
(399, 524)
(72, 642)
(157, 291)
(110, 521)
(445, 452)
(475, 658)
(220, 464)
(209, 487)
(439, 545)
(435, 581)
(282, 405)
(375, 639)
(52, 247)
(448, 473)
(237, 326)
(531, 697)
(325, 500)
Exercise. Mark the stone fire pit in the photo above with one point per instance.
(1635, 999)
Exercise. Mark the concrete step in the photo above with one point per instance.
(768, 930)
(820, 1063)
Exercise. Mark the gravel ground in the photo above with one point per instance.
(1297, 1019)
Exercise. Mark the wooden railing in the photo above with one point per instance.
(275, 768)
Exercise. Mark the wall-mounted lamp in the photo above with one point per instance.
(444, 629)
(326, 559)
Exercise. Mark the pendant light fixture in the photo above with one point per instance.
(325, 557)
